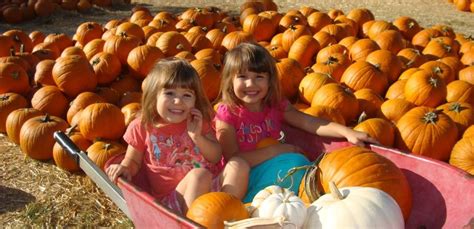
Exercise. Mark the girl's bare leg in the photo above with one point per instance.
(195, 183)
(235, 177)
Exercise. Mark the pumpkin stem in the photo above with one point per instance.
(46, 118)
(96, 61)
(431, 117)
(363, 116)
(22, 48)
(456, 107)
(15, 75)
(12, 51)
(331, 60)
(71, 129)
(4, 97)
(179, 46)
(434, 82)
(107, 146)
(310, 179)
(335, 191)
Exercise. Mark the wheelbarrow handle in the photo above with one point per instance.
(64, 141)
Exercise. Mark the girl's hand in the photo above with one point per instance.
(117, 170)
(360, 138)
(194, 122)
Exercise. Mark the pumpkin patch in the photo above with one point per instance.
(413, 81)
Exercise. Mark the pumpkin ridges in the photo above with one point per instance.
(336, 163)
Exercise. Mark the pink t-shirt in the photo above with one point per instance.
(251, 127)
(169, 154)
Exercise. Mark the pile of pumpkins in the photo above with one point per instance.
(349, 198)
(17, 11)
(463, 5)
(409, 87)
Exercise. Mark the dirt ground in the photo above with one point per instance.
(37, 194)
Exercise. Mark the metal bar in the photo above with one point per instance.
(93, 171)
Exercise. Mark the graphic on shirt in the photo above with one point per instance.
(156, 149)
(252, 133)
(177, 151)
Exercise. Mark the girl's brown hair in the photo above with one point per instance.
(171, 73)
(251, 57)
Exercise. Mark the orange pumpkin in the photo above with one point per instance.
(44, 73)
(82, 101)
(424, 88)
(62, 158)
(142, 59)
(386, 62)
(396, 90)
(325, 112)
(338, 97)
(210, 77)
(380, 129)
(367, 169)
(462, 155)
(369, 101)
(101, 151)
(303, 50)
(102, 120)
(36, 136)
(50, 100)
(311, 83)
(16, 119)
(130, 112)
(362, 74)
(172, 42)
(461, 113)
(106, 67)
(290, 73)
(8, 103)
(428, 132)
(394, 109)
(13, 78)
(212, 209)
(73, 75)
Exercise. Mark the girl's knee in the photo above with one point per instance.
(200, 174)
(238, 164)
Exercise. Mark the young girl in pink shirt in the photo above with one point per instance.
(252, 108)
(174, 142)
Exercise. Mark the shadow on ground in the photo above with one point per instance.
(12, 199)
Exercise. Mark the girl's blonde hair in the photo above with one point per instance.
(171, 73)
(251, 57)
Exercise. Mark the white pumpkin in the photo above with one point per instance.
(275, 201)
(354, 207)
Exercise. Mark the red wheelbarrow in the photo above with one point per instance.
(443, 196)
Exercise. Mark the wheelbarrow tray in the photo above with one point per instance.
(443, 196)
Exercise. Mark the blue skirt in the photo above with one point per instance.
(266, 174)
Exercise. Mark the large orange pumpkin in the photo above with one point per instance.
(36, 136)
(212, 209)
(142, 59)
(102, 120)
(49, 99)
(394, 109)
(338, 97)
(73, 75)
(365, 168)
(428, 132)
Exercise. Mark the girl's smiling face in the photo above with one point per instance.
(251, 88)
(174, 104)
